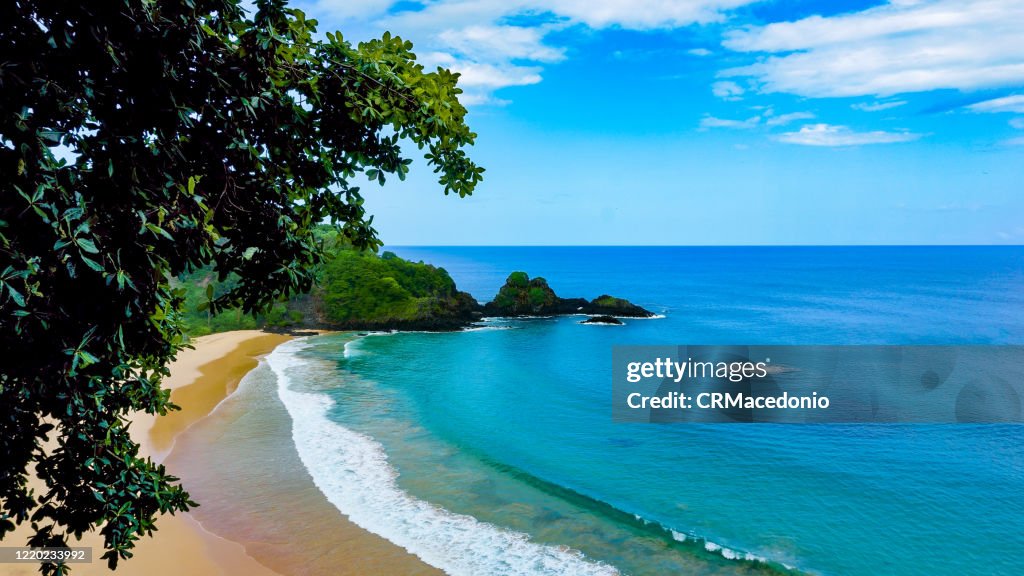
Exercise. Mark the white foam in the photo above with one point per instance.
(351, 348)
(651, 317)
(678, 536)
(352, 471)
(487, 328)
(730, 554)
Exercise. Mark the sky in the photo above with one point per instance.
(716, 122)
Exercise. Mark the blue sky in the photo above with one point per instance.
(718, 121)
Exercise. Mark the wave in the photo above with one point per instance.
(352, 471)
(651, 317)
(487, 328)
(687, 542)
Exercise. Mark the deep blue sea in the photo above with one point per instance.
(493, 451)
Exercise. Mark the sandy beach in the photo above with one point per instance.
(242, 527)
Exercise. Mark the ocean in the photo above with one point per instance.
(493, 450)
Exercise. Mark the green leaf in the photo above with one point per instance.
(87, 358)
(87, 245)
(92, 264)
(158, 230)
(15, 295)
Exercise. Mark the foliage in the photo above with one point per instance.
(518, 280)
(196, 136)
(605, 304)
(196, 317)
(606, 301)
(358, 288)
(521, 295)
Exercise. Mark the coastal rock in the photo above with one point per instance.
(603, 320)
(612, 306)
(522, 296)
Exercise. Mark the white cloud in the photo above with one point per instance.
(699, 52)
(727, 90)
(1017, 123)
(1018, 141)
(1013, 103)
(768, 118)
(490, 42)
(712, 122)
(475, 75)
(783, 119)
(480, 98)
(483, 75)
(831, 135)
(900, 47)
(877, 106)
(596, 14)
(349, 9)
(483, 43)
(639, 14)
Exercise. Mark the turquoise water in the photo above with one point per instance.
(511, 425)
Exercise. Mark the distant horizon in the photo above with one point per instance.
(386, 246)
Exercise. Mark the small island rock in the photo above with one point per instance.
(603, 320)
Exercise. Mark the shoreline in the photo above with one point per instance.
(240, 462)
(201, 379)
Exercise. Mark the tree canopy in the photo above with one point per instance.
(144, 139)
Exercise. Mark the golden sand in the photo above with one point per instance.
(201, 378)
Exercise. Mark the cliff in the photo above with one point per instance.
(357, 290)
(360, 290)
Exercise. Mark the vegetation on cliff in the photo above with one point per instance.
(363, 290)
(356, 289)
(611, 306)
(521, 296)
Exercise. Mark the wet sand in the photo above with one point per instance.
(260, 514)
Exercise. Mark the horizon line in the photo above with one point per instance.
(702, 245)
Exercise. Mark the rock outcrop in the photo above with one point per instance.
(602, 320)
(522, 296)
